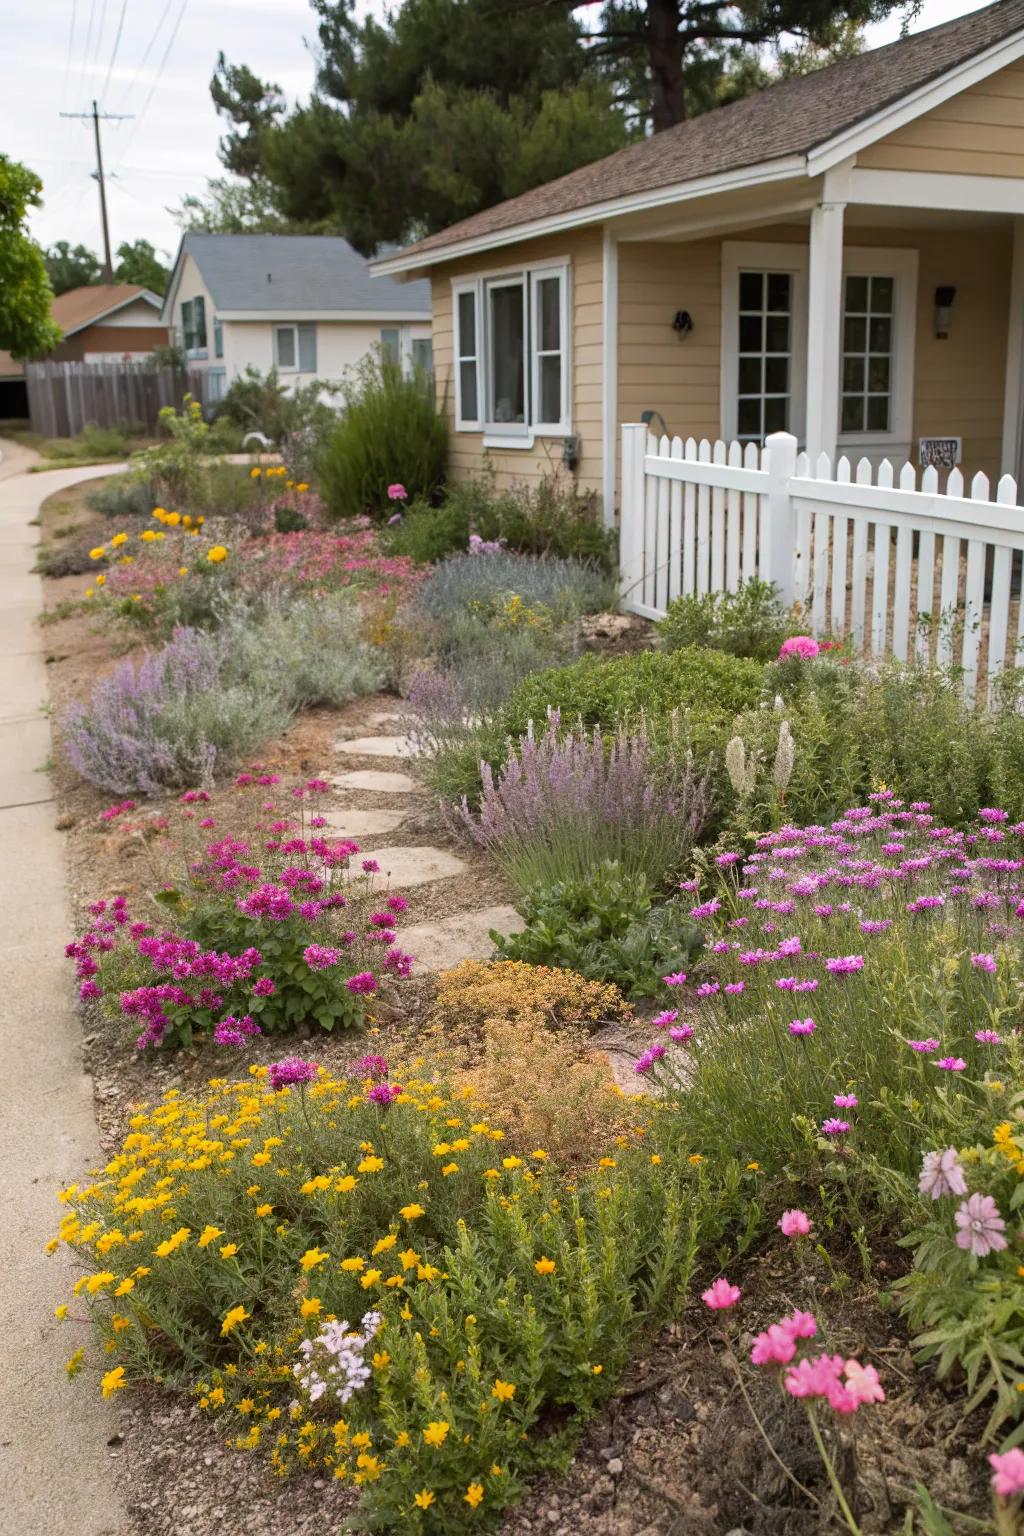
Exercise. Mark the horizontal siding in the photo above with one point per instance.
(658, 370)
(979, 132)
(468, 458)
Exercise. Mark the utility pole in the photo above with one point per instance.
(97, 116)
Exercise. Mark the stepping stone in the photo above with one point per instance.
(360, 823)
(376, 779)
(384, 717)
(440, 946)
(377, 746)
(417, 866)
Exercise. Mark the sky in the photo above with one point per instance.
(153, 59)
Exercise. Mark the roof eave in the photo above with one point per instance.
(113, 309)
(377, 316)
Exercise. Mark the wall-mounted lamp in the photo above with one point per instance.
(944, 298)
(682, 323)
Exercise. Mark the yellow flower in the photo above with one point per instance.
(89, 592)
(474, 1495)
(370, 1278)
(113, 1381)
(606, 1162)
(147, 535)
(370, 1165)
(381, 1359)
(598, 1369)
(61, 1312)
(232, 1319)
(216, 554)
(354, 1265)
(449, 1168)
(208, 1234)
(101, 579)
(694, 1159)
(383, 1244)
(264, 1210)
(362, 1441)
(159, 514)
(302, 486)
(656, 1159)
(346, 1185)
(229, 1250)
(408, 1258)
(411, 1212)
(165, 1249)
(310, 1307)
(182, 570)
(118, 540)
(545, 1266)
(491, 1173)
(186, 521)
(424, 1499)
(254, 473)
(97, 1282)
(173, 519)
(436, 1432)
(504, 1391)
(539, 1154)
(511, 1162)
(74, 1365)
(97, 553)
(753, 1167)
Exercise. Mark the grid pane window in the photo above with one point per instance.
(548, 344)
(765, 354)
(469, 409)
(867, 354)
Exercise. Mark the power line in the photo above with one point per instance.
(98, 43)
(156, 80)
(71, 48)
(148, 50)
(88, 44)
(117, 44)
(98, 116)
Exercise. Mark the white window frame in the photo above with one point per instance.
(203, 351)
(513, 434)
(896, 262)
(294, 326)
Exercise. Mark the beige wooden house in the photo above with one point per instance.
(840, 256)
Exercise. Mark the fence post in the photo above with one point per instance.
(631, 511)
(778, 525)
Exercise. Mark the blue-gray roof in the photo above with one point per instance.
(313, 274)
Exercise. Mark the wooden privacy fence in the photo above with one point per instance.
(901, 568)
(65, 397)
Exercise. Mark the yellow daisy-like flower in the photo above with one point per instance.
(370, 1165)
(504, 1391)
(474, 1495)
(182, 570)
(346, 1185)
(436, 1432)
(310, 1307)
(302, 486)
(545, 1266)
(312, 1257)
(113, 1381)
(255, 472)
(97, 553)
(173, 519)
(371, 1278)
(449, 1168)
(216, 554)
(229, 1250)
(423, 1499)
(74, 1365)
(383, 1244)
(381, 1359)
(147, 535)
(118, 540)
(159, 514)
(606, 1162)
(656, 1159)
(511, 1162)
(264, 1210)
(232, 1319)
(354, 1265)
(208, 1234)
(61, 1312)
(411, 1212)
(127, 1284)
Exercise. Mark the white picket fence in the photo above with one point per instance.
(902, 568)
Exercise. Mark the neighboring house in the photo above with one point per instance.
(841, 255)
(102, 323)
(304, 304)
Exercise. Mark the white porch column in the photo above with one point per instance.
(609, 372)
(824, 317)
(1013, 404)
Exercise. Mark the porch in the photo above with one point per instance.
(863, 318)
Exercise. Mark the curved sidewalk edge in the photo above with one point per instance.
(54, 1458)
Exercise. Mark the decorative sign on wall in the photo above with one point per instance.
(943, 452)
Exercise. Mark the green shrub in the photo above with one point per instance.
(514, 592)
(427, 533)
(748, 622)
(257, 402)
(122, 498)
(606, 928)
(390, 432)
(308, 649)
(708, 686)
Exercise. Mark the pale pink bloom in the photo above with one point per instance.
(981, 1226)
(941, 1174)
(1007, 1473)
(776, 1346)
(721, 1294)
(397, 492)
(804, 646)
(863, 1383)
(794, 1223)
(813, 1377)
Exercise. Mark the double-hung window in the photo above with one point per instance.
(512, 354)
(193, 326)
(295, 348)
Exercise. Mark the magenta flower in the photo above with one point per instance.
(320, 957)
(990, 814)
(844, 965)
(924, 1047)
(941, 1174)
(950, 1063)
(795, 1223)
(863, 1383)
(372, 1066)
(804, 646)
(802, 1027)
(835, 1127)
(845, 1101)
(984, 963)
(981, 1226)
(721, 1294)
(680, 1033)
(365, 981)
(383, 1094)
(987, 1037)
(282, 1074)
(1007, 1471)
(666, 1017)
(677, 979)
(397, 492)
(734, 988)
(264, 987)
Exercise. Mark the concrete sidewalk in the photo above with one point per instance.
(54, 1462)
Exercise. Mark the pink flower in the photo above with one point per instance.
(941, 1174)
(981, 1226)
(666, 1017)
(681, 1032)
(951, 1063)
(721, 1294)
(835, 1126)
(845, 1101)
(987, 1037)
(1008, 1473)
(803, 646)
(814, 1377)
(924, 1047)
(676, 979)
(795, 1223)
(863, 1383)
(777, 1344)
(802, 1027)
(984, 962)
(397, 492)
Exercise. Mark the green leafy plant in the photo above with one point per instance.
(748, 622)
(391, 432)
(605, 927)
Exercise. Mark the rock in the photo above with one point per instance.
(376, 779)
(417, 865)
(442, 945)
(376, 746)
(615, 1466)
(356, 822)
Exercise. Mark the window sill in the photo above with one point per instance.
(526, 440)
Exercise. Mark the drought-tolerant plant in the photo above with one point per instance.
(566, 801)
(123, 498)
(257, 402)
(359, 1278)
(514, 591)
(310, 650)
(390, 432)
(748, 622)
(471, 993)
(167, 721)
(605, 926)
(266, 932)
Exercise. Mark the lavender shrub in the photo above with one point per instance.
(562, 804)
(166, 722)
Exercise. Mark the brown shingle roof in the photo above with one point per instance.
(785, 119)
(80, 306)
